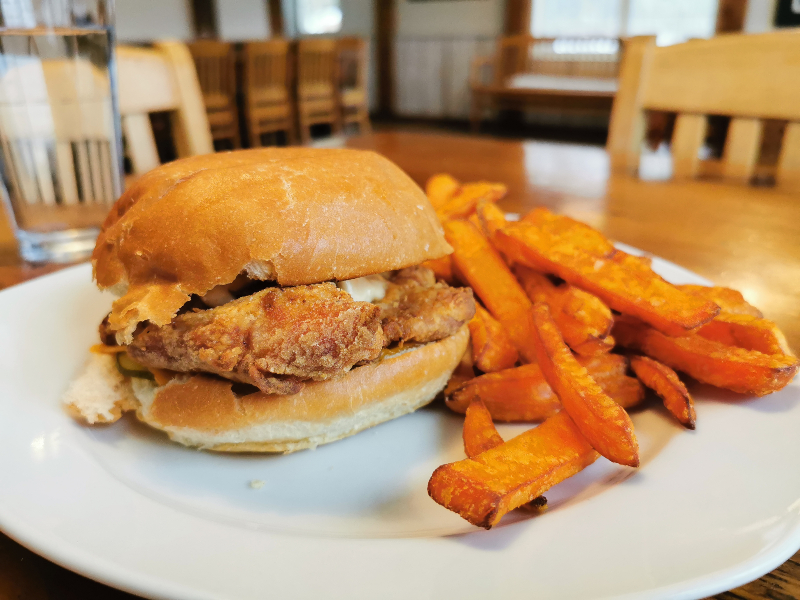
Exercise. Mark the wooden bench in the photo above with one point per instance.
(557, 75)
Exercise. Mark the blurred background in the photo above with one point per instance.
(427, 59)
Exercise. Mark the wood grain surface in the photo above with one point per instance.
(743, 237)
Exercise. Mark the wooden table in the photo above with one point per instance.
(743, 237)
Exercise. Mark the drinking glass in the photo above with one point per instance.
(60, 143)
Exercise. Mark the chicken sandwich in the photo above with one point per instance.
(271, 300)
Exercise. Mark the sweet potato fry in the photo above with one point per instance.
(522, 394)
(709, 361)
(442, 268)
(490, 217)
(664, 382)
(492, 349)
(479, 263)
(583, 319)
(601, 420)
(613, 277)
(440, 189)
(746, 331)
(463, 203)
(570, 234)
(484, 488)
(480, 434)
(729, 301)
(518, 394)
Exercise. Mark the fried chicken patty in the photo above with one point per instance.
(272, 339)
(417, 309)
(279, 337)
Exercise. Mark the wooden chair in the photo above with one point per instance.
(162, 78)
(352, 96)
(267, 86)
(216, 69)
(316, 85)
(748, 78)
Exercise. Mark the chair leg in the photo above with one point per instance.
(304, 128)
(475, 112)
(255, 137)
(337, 123)
(365, 127)
(291, 138)
(237, 136)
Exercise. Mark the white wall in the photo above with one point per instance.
(760, 16)
(239, 20)
(466, 18)
(145, 20)
(358, 18)
(436, 42)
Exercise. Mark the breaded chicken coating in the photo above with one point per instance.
(417, 309)
(272, 339)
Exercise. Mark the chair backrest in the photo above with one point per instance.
(162, 78)
(57, 137)
(352, 69)
(316, 67)
(266, 72)
(748, 78)
(215, 63)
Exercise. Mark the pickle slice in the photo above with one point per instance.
(130, 368)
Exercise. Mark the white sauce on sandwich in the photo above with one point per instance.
(365, 289)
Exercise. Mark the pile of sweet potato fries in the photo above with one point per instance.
(570, 330)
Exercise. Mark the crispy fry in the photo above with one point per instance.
(570, 234)
(518, 394)
(479, 263)
(737, 369)
(484, 488)
(492, 349)
(748, 332)
(601, 420)
(440, 189)
(613, 277)
(729, 301)
(490, 217)
(480, 434)
(522, 394)
(664, 382)
(473, 218)
(442, 268)
(463, 203)
(583, 319)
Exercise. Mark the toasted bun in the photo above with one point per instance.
(294, 215)
(203, 412)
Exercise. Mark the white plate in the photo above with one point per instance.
(707, 510)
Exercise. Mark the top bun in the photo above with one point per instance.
(292, 215)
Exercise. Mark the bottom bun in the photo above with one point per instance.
(204, 412)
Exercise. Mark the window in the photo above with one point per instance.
(671, 21)
(576, 18)
(319, 16)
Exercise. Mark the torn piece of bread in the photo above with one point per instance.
(100, 393)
